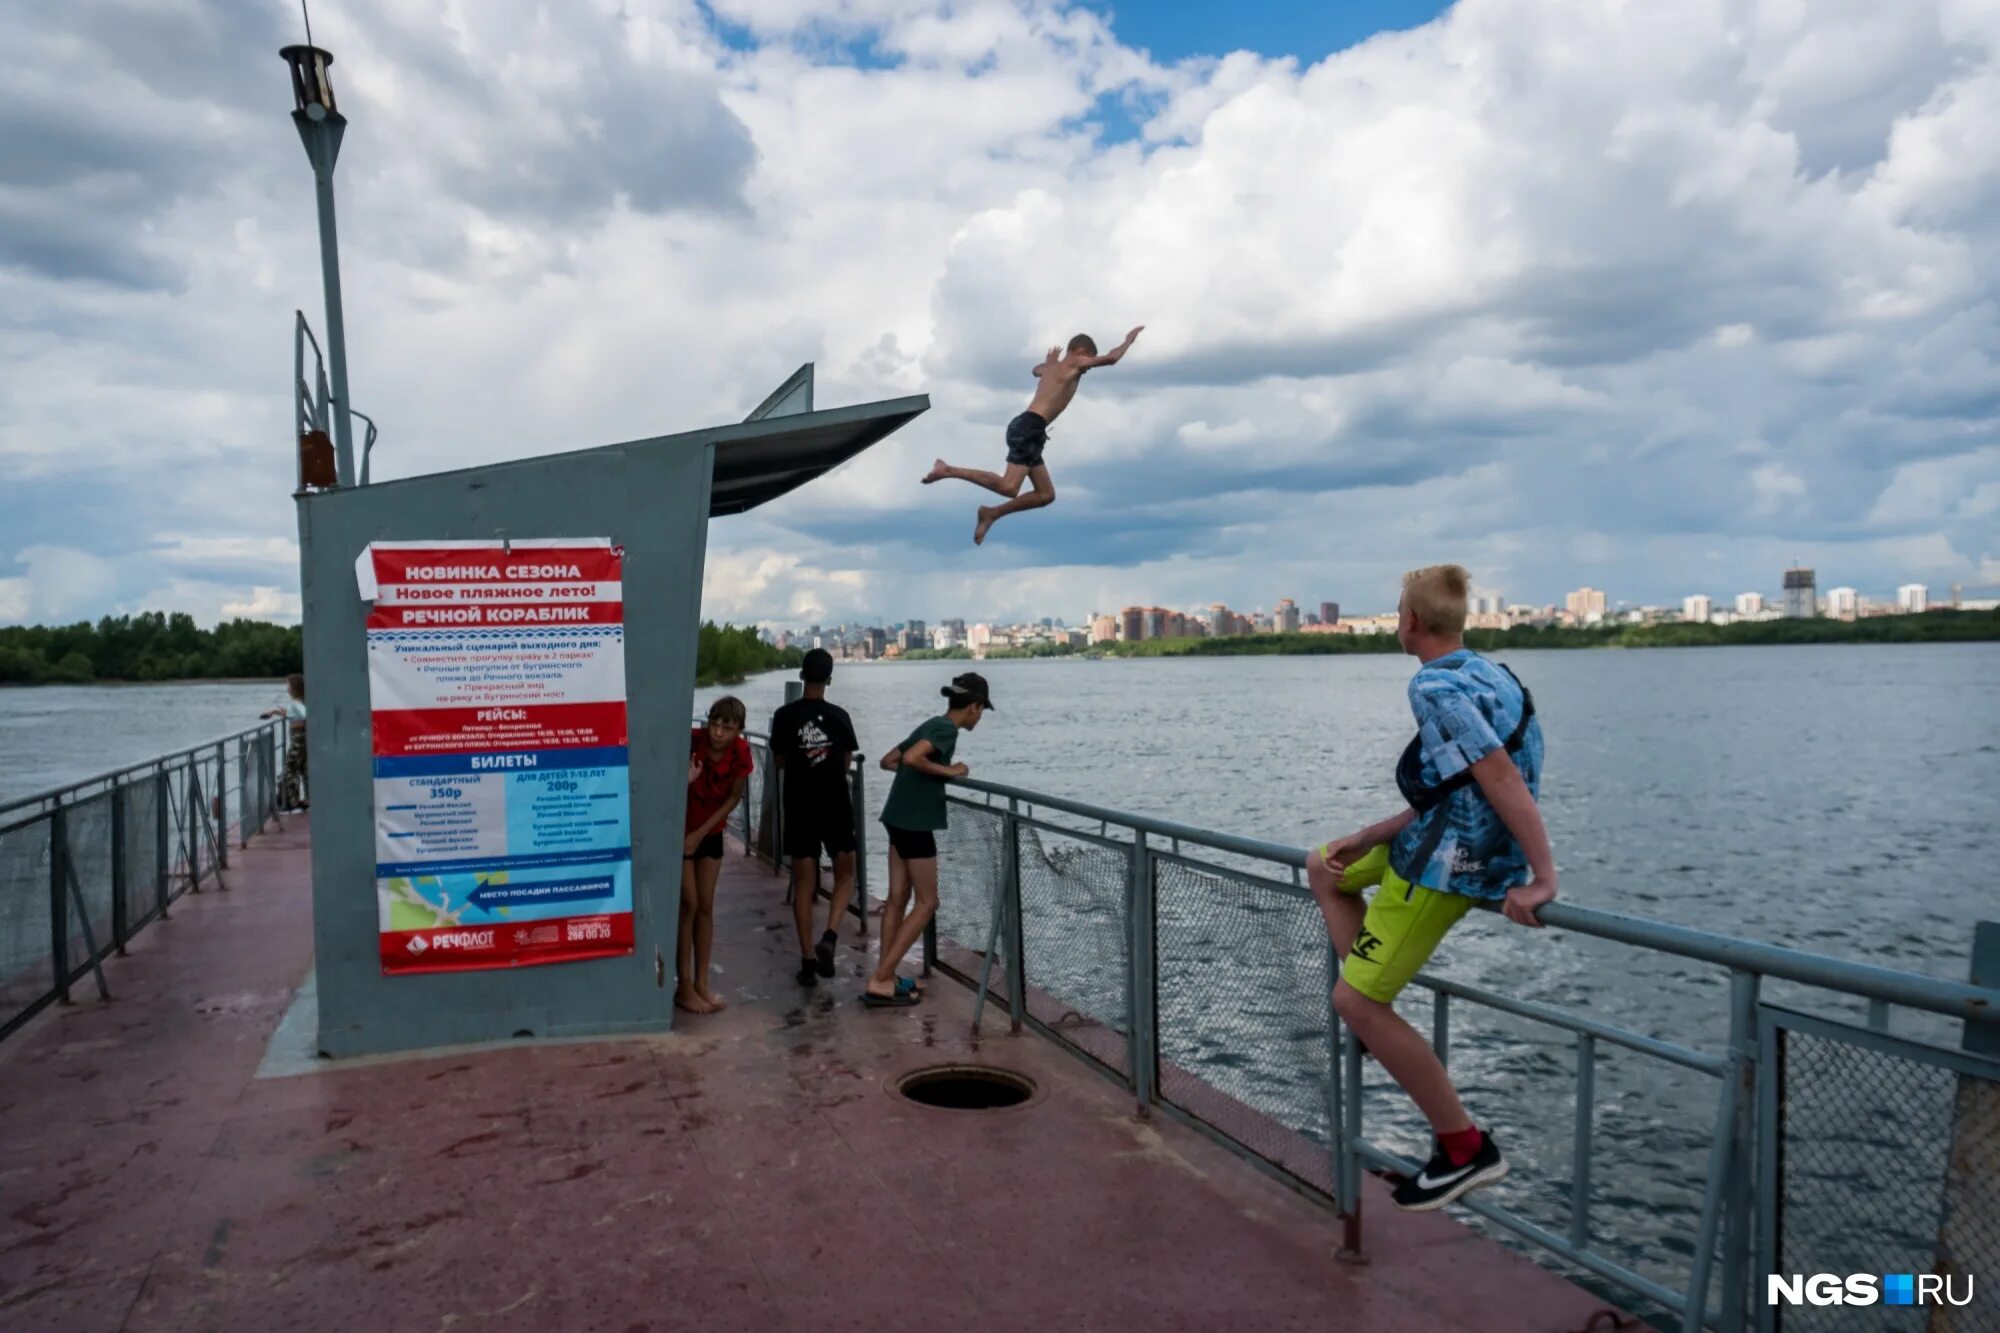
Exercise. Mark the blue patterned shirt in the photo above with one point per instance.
(1466, 707)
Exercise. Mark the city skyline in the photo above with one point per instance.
(1482, 603)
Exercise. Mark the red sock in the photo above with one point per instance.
(1462, 1145)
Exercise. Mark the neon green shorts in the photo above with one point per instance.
(1403, 927)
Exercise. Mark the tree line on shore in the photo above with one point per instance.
(162, 646)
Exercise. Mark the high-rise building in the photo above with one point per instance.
(918, 630)
(1132, 624)
(1329, 613)
(1913, 597)
(1749, 603)
(1697, 608)
(1153, 623)
(1480, 602)
(878, 641)
(1586, 605)
(1843, 603)
(1801, 594)
(1285, 620)
(979, 638)
(1103, 629)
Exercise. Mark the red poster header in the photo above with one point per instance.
(411, 731)
(501, 615)
(493, 564)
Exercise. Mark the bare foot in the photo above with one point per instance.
(877, 986)
(939, 471)
(985, 523)
(715, 1002)
(692, 1002)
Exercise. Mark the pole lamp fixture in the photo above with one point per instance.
(321, 127)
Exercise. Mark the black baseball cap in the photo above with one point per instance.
(817, 669)
(971, 684)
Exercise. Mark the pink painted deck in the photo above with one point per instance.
(749, 1171)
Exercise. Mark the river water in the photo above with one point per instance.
(1834, 798)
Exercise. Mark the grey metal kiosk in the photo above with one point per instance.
(654, 497)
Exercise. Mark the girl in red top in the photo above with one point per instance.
(719, 767)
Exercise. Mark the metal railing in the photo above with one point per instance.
(761, 821)
(1194, 968)
(85, 866)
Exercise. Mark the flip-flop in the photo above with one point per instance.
(905, 986)
(900, 1000)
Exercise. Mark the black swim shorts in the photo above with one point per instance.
(913, 844)
(1027, 435)
(810, 828)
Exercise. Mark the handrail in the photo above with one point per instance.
(1956, 999)
(112, 775)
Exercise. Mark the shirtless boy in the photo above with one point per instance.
(1059, 374)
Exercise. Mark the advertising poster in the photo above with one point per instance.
(496, 679)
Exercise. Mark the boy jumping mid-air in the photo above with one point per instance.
(1028, 433)
(1471, 831)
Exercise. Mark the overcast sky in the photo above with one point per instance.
(1654, 297)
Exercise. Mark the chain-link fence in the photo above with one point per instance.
(1885, 1160)
(1195, 967)
(1244, 1021)
(84, 867)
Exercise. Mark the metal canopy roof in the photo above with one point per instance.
(762, 460)
(755, 461)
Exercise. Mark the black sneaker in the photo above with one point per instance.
(1439, 1183)
(823, 953)
(808, 972)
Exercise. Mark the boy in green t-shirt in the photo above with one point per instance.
(913, 814)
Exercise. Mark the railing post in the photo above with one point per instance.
(1346, 1187)
(860, 801)
(221, 831)
(1010, 888)
(58, 900)
(243, 792)
(163, 798)
(1725, 1197)
(1142, 977)
(191, 821)
(121, 912)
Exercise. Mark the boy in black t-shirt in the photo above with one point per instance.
(812, 741)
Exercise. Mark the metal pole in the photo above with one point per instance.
(243, 792)
(162, 798)
(322, 140)
(1010, 886)
(861, 856)
(58, 902)
(1739, 1223)
(1343, 1200)
(221, 809)
(1721, 1154)
(121, 912)
(1142, 977)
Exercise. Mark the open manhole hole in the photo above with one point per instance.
(966, 1087)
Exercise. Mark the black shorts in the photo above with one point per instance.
(913, 844)
(708, 849)
(1027, 436)
(807, 831)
